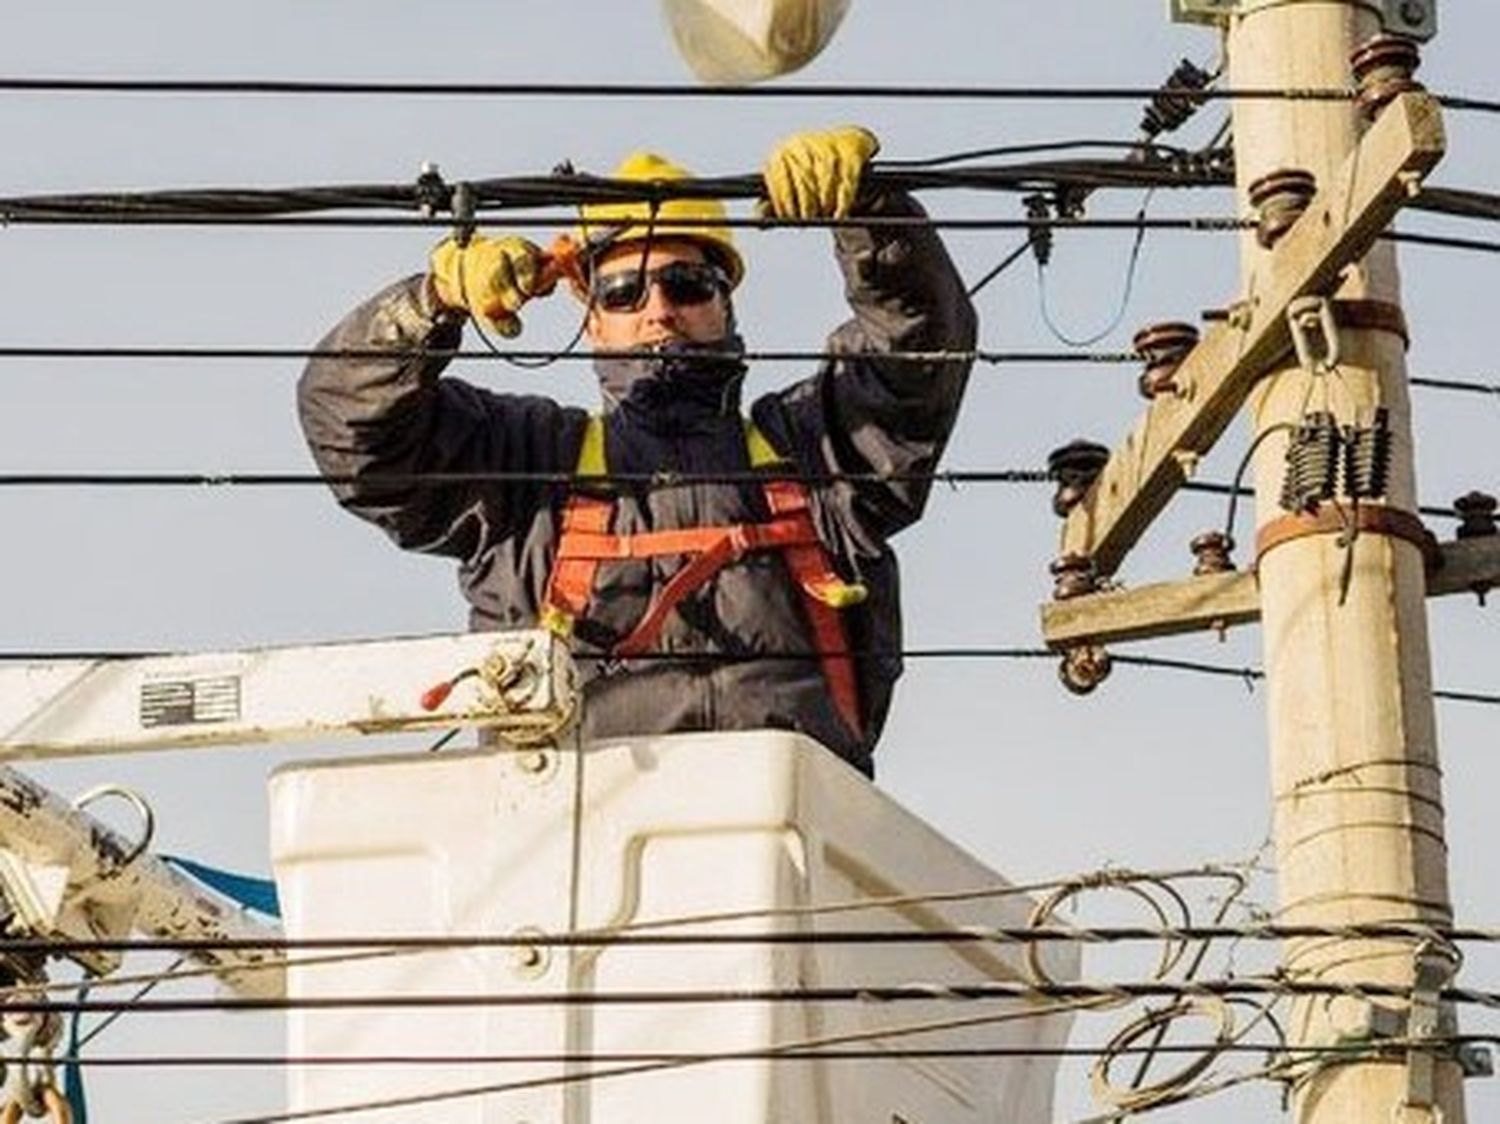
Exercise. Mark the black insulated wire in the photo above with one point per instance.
(772, 1054)
(1020, 934)
(1249, 676)
(690, 91)
(855, 994)
(1207, 169)
(988, 358)
(1196, 224)
(662, 480)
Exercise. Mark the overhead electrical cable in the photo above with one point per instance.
(691, 91)
(1335, 1050)
(592, 1075)
(1466, 386)
(977, 934)
(1159, 169)
(573, 189)
(662, 479)
(1192, 224)
(1441, 241)
(1247, 675)
(858, 993)
(200, 352)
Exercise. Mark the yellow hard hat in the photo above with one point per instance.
(699, 220)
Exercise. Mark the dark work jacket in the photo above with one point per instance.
(366, 417)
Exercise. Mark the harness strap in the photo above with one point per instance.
(585, 542)
(690, 540)
(824, 594)
(572, 578)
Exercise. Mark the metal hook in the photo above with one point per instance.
(1315, 334)
(143, 809)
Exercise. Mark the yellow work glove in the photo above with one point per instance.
(490, 277)
(816, 175)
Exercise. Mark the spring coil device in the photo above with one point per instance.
(1312, 462)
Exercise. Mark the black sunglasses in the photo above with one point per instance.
(682, 282)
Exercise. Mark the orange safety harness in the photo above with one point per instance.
(586, 542)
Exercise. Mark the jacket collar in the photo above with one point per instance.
(681, 387)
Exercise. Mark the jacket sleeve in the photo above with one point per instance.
(865, 411)
(370, 417)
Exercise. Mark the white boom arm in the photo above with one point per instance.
(520, 683)
(68, 876)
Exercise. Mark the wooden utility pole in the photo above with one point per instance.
(1358, 801)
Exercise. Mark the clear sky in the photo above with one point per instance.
(1156, 769)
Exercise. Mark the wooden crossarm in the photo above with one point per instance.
(1216, 377)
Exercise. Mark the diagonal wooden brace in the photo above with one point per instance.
(1224, 600)
(1216, 377)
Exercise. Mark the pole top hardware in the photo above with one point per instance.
(1315, 334)
(1075, 466)
(1415, 19)
(1163, 347)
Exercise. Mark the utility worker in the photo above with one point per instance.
(756, 589)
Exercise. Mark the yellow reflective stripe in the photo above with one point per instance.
(591, 461)
(555, 621)
(762, 453)
(591, 453)
(843, 595)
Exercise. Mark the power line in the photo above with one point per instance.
(592, 1075)
(978, 934)
(1248, 675)
(1442, 241)
(1151, 167)
(1458, 202)
(663, 479)
(855, 994)
(893, 1053)
(563, 477)
(783, 92)
(1460, 385)
(202, 352)
(1200, 224)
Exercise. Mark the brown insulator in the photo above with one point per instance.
(1075, 467)
(1477, 510)
(1084, 668)
(1212, 550)
(1163, 347)
(1383, 70)
(1072, 576)
(1279, 200)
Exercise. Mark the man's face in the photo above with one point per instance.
(659, 318)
